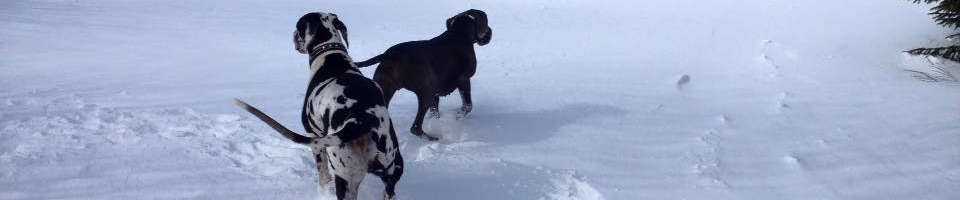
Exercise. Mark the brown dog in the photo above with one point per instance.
(435, 67)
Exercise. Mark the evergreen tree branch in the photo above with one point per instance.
(951, 53)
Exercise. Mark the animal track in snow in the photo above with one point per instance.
(571, 187)
(81, 126)
(683, 80)
(792, 161)
(769, 62)
(708, 164)
(774, 57)
(782, 102)
(723, 119)
(433, 150)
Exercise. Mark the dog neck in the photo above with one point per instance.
(320, 53)
(329, 60)
(326, 63)
(457, 36)
(324, 48)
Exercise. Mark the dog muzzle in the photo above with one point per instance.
(484, 38)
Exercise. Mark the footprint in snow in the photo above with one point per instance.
(793, 161)
(571, 187)
(683, 80)
(782, 104)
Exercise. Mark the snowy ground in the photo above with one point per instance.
(574, 100)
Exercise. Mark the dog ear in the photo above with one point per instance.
(462, 23)
(450, 21)
(455, 18)
(342, 28)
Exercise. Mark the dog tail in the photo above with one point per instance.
(323, 141)
(299, 139)
(371, 61)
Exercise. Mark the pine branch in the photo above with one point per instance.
(954, 36)
(947, 14)
(950, 53)
(947, 19)
(947, 5)
(925, 1)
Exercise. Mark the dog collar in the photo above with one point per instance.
(323, 48)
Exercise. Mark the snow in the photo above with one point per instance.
(573, 100)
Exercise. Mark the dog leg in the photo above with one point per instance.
(464, 89)
(390, 173)
(435, 108)
(346, 186)
(390, 183)
(389, 193)
(387, 86)
(322, 167)
(422, 106)
(387, 95)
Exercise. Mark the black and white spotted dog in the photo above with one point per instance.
(344, 112)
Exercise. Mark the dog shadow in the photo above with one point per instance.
(495, 181)
(491, 180)
(500, 126)
(431, 172)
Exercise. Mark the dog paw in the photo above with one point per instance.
(427, 137)
(462, 114)
(464, 111)
(433, 113)
(325, 180)
(417, 131)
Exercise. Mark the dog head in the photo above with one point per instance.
(319, 28)
(473, 22)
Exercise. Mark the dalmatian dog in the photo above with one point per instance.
(344, 112)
